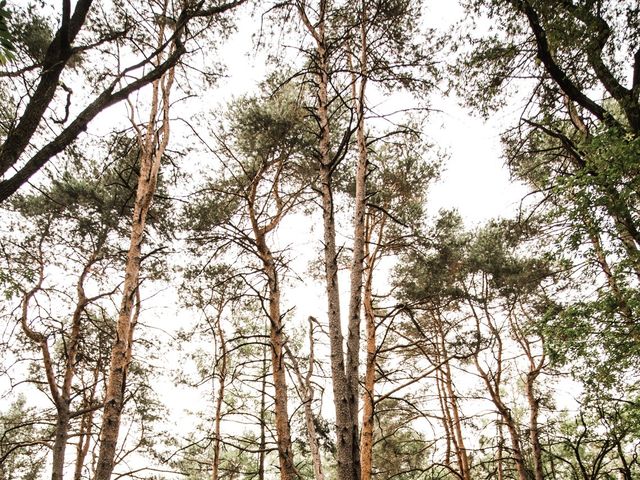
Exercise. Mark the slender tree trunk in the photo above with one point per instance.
(86, 426)
(357, 265)
(222, 378)
(366, 440)
(152, 148)
(493, 380)
(263, 407)
(306, 395)
(535, 367)
(341, 388)
(452, 399)
(446, 415)
(61, 395)
(500, 459)
(368, 397)
(285, 449)
(347, 452)
(276, 328)
(534, 432)
(507, 418)
(60, 443)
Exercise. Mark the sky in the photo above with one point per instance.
(474, 179)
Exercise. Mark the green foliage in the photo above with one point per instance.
(400, 450)
(6, 39)
(22, 449)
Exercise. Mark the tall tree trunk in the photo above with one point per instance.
(263, 406)
(368, 412)
(507, 418)
(446, 416)
(534, 432)
(341, 387)
(276, 335)
(493, 381)
(368, 397)
(500, 458)
(276, 328)
(451, 400)
(222, 378)
(536, 364)
(86, 425)
(357, 265)
(152, 148)
(61, 395)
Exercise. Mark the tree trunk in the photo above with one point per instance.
(346, 452)
(446, 415)
(507, 418)
(341, 388)
(222, 378)
(366, 440)
(152, 149)
(306, 393)
(452, 400)
(285, 449)
(86, 426)
(61, 395)
(500, 459)
(534, 433)
(368, 397)
(276, 329)
(263, 406)
(357, 265)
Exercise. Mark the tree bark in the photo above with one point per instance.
(152, 148)
(368, 397)
(357, 264)
(276, 328)
(341, 387)
(222, 378)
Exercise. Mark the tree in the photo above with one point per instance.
(264, 180)
(21, 444)
(66, 44)
(152, 146)
(578, 153)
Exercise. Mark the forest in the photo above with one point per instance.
(208, 276)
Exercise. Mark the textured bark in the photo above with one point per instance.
(276, 330)
(152, 146)
(341, 388)
(359, 83)
(368, 398)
